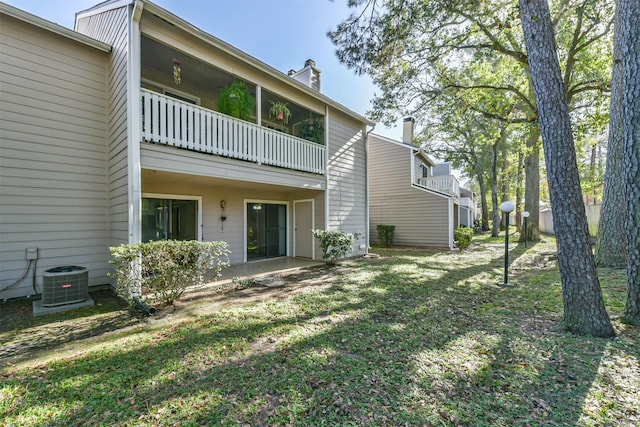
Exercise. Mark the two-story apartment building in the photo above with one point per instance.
(409, 190)
(113, 133)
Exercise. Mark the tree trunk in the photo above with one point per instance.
(519, 193)
(495, 226)
(532, 184)
(484, 207)
(630, 10)
(584, 310)
(504, 177)
(611, 240)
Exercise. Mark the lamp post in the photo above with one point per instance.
(507, 208)
(525, 215)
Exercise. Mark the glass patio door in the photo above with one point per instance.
(266, 230)
(169, 219)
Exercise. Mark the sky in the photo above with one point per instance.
(281, 33)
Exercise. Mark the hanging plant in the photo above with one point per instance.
(280, 112)
(236, 101)
(312, 130)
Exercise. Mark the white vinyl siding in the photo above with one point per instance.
(347, 178)
(53, 193)
(421, 217)
(111, 27)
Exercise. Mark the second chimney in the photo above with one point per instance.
(309, 74)
(407, 130)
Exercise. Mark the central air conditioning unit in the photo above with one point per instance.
(65, 285)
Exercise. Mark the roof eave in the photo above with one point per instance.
(52, 27)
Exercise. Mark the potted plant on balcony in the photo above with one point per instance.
(236, 101)
(311, 130)
(280, 112)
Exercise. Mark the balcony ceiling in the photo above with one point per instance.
(160, 57)
(191, 181)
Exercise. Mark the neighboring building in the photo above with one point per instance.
(110, 134)
(468, 207)
(409, 190)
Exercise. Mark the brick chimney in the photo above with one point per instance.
(407, 130)
(308, 75)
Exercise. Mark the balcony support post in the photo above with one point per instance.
(260, 153)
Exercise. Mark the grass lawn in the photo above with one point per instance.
(414, 338)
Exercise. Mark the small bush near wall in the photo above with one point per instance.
(462, 236)
(159, 272)
(335, 244)
(386, 233)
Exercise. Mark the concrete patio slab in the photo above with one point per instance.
(40, 310)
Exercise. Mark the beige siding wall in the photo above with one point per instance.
(234, 194)
(421, 218)
(111, 28)
(52, 156)
(170, 159)
(347, 178)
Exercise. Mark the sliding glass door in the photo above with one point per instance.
(266, 230)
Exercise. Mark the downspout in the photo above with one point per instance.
(259, 122)
(366, 156)
(133, 124)
(326, 168)
(451, 230)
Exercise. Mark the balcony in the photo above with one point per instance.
(447, 184)
(467, 202)
(170, 121)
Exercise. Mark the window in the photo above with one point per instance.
(170, 218)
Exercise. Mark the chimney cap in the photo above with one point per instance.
(310, 62)
(291, 72)
(409, 119)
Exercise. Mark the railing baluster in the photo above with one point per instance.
(146, 117)
(154, 123)
(206, 132)
(197, 129)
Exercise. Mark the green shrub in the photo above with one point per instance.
(161, 271)
(335, 244)
(462, 236)
(386, 233)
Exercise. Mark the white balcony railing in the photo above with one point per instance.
(447, 184)
(467, 202)
(180, 124)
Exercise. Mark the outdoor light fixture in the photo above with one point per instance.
(525, 215)
(507, 208)
(223, 216)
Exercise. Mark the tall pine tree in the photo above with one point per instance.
(584, 311)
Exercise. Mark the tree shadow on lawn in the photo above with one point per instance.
(22, 334)
(378, 349)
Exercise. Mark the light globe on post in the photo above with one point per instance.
(525, 215)
(506, 207)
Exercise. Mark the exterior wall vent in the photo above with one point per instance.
(65, 285)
